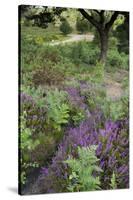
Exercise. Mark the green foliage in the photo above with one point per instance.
(57, 108)
(65, 27)
(78, 117)
(26, 144)
(98, 73)
(72, 83)
(26, 140)
(48, 75)
(116, 110)
(82, 25)
(95, 95)
(82, 169)
(36, 94)
(125, 84)
(117, 60)
(113, 42)
(113, 184)
(122, 34)
(84, 53)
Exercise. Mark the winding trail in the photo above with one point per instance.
(73, 38)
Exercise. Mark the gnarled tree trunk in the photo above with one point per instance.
(103, 45)
(103, 27)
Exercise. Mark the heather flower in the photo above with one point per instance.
(86, 135)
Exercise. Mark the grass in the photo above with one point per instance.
(47, 71)
(46, 35)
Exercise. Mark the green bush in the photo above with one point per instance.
(36, 94)
(98, 74)
(117, 60)
(65, 27)
(116, 110)
(34, 104)
(82, 25)
(122, 34)
(34, 56)
(27, 144)
(48, 75)
(95, 94)
(113, 42)
(83, 53)
(114, 58)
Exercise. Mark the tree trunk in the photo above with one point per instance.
(103, 45)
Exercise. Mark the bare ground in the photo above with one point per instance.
(73, 38)
(114, 84)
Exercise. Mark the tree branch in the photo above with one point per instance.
(89, 18)
(113, 18)
(98, 12)
(102, 19)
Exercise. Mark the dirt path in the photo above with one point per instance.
(73, 38)
(114, 84)
(114, 89)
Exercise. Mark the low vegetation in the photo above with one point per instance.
(70, 129)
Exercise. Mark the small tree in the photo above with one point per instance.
(65, 27)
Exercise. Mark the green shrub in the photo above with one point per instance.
(114, 58)
(36, 121)
(82, 25)
(95, 95)
(125, 61)
(72, 83)
(116, 110)
(84, 53)
(34, 56)
(98, 74)
(48, 75)
(122, 33)
(117, 60)
(36, 94)
(113, 42)
(125, 83)
(81, 177)
(27, 144)
(65, 27)
(39, 40)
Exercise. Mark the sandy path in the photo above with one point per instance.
(114, 85)
(73, 38)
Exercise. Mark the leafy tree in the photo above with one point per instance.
(102, 20)
(122, 34)
(65, 27)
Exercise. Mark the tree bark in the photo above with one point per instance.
(103, 29)
(103, 45)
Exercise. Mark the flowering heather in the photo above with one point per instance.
(112, 142)
(77, 100)
(35, 115)
(113, 147)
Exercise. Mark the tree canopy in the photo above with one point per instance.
(102, 20)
